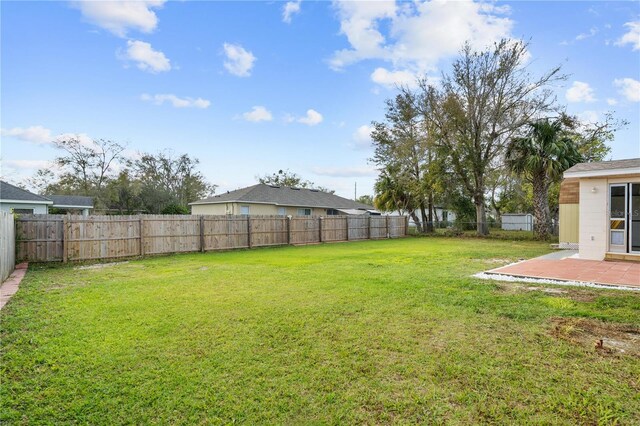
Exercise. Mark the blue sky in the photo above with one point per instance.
(252, 87)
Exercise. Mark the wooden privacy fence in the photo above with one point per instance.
(7, 245)
(62, 238)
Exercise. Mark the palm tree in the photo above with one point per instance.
(540, 157)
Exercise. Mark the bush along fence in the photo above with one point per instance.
(64, 238)
(7, 245)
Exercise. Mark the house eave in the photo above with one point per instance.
(25, 202)
(603, 173)
(63, 206)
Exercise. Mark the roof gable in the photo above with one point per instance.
(12, 192)
(284, 196)
(600, 168)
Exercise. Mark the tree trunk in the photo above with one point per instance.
(542, 226)
(413, 215)
(430, 228)
(426, 226)
(482, 227)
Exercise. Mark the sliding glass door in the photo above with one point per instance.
(624, 218)
(618, 218)
(634, 217)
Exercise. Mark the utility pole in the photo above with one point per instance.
(355, 191)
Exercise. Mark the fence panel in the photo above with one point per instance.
(334, 228)
(305, 230)
(50, 238)
(101, 237)
(268, 231)
(378, 227)
(170, 234)
(225, 232)
(39, 238)
(7, 245)
(358, 227)
(397, 226)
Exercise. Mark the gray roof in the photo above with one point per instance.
(71, 200)
(11, 192)
(284, 196)
(605, 165)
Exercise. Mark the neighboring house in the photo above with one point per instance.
(262, 199)
(18, 200)
(72, 203)
(600, 209)
(21, 201)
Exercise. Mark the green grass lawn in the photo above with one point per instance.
(392, 331)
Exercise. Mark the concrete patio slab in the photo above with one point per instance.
(10, 286)
(569, 268)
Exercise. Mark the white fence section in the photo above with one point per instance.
(7, 245)
(517, 222)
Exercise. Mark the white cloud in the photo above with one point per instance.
(580, 92)
(629, 88)
(177, 102)
(393, 79)
(344, 171)
(289, 9)
(257, 114)
(239, 61)
(145, 57)
(120, 16)
(312, 118)
(582, 36)
(612, 101)
(83, 138)
(632, 36)
(362, 137)
(28, 164)
(589, 116)
(419, 33)
(34, 134)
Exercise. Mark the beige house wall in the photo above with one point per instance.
(594, 215)
(593, 218)
(255, 209)
(569, 217)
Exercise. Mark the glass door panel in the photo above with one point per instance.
(634, 217)
(618, 218)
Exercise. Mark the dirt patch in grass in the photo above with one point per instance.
(578, 295)
(100, 265)
(605, 338)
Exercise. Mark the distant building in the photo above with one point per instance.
(262, 199)
(21, 201)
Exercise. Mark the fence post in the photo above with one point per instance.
(141, 224)
(368, 227)
(201, 233)
(288, 229)
(65, 237)
(320, 228)
(386, 219)
(347, 219)
(406, 226)
(249, 231)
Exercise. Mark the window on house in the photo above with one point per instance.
(244, 210)
(333, 212)
(282, 211)
(23, 211)
(304, 212)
